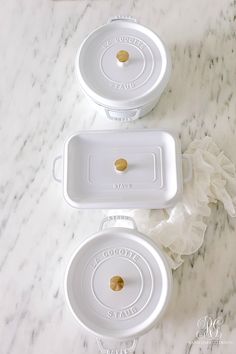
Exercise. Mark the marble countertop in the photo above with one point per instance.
(41, 105)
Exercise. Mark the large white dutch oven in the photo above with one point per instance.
(118, 285)
(123, 67)
(122, 169)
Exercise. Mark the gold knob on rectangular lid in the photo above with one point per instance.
(121, 165)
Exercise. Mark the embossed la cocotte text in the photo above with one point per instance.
(114, 252)
(124, 39)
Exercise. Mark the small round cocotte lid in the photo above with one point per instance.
(123, 64)
(118, 283)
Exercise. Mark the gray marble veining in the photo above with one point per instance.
(41, 105)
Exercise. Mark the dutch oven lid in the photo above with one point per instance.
(118, 283)
(123, 65)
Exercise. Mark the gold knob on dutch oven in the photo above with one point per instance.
(121, 165)
(122, 56)
(116, 283)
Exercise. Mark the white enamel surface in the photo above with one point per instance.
(123, 85)
(153, 178)
(127, 115)
(42, 105)
(147, 277)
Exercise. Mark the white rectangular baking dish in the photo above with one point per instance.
(152, 180)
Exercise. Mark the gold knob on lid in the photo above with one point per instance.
(121, 165)
(122, 56)
(116, 283)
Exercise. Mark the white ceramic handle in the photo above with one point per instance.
(122, 18)
(124, 350)
(189, 175)
(115, 218)
(57, 179)
(134, 115)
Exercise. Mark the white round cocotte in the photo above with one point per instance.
(123, 67)
(133, 305)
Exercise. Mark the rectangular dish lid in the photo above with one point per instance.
(122, 169)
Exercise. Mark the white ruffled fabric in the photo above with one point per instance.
(180, 230)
